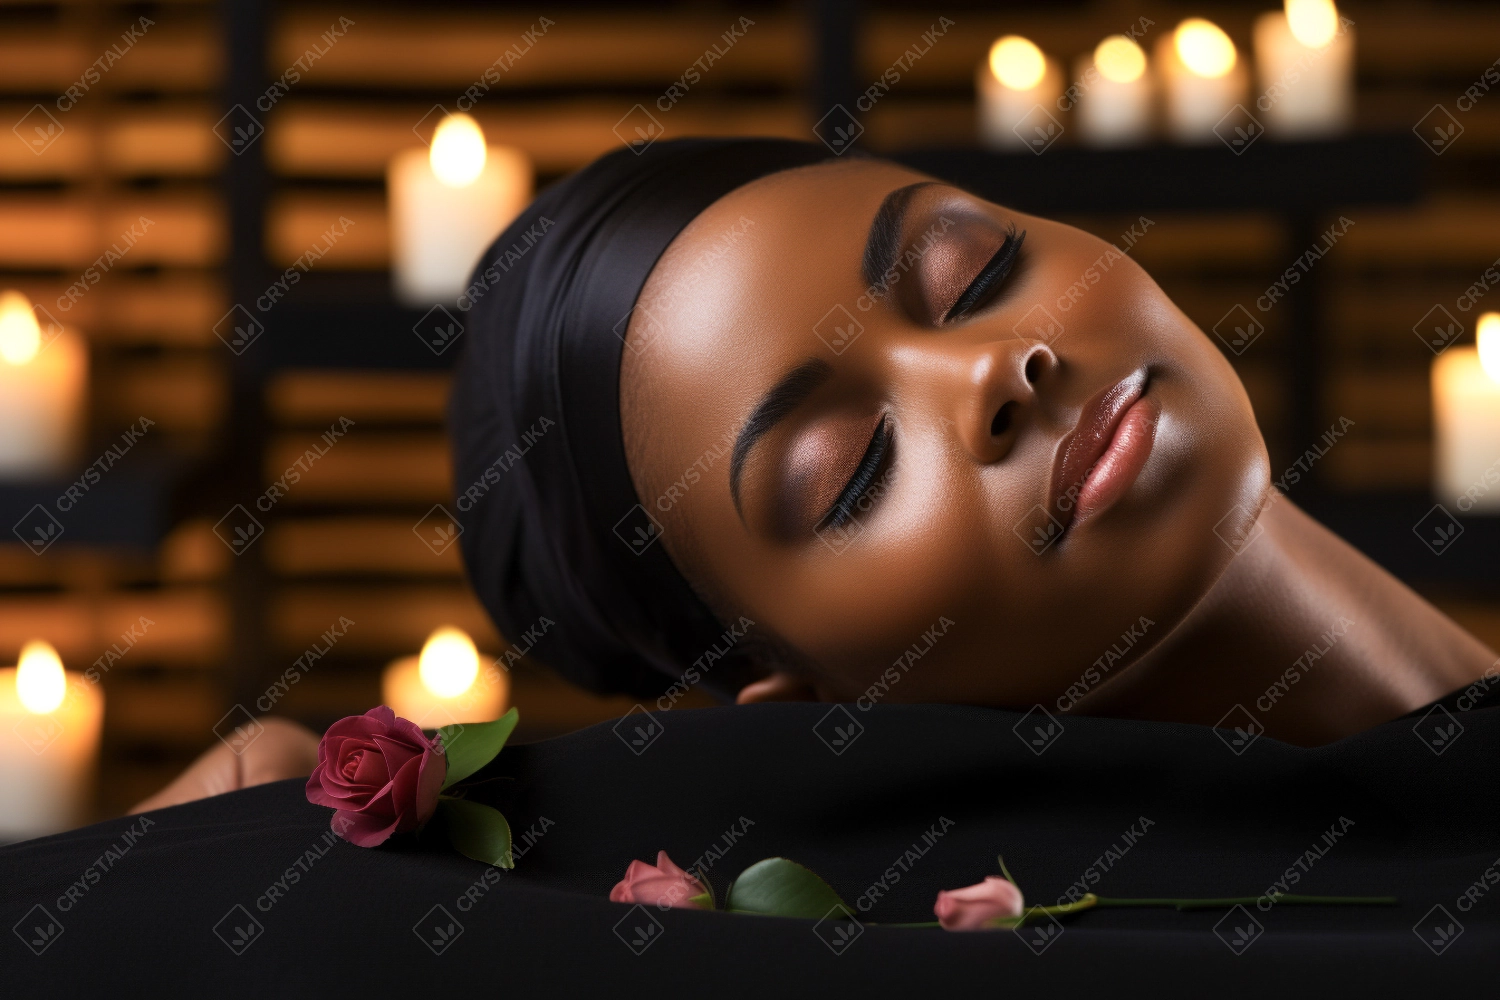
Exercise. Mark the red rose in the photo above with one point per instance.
(380, 773)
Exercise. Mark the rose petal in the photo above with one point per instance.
(972, 907)
(362, 829)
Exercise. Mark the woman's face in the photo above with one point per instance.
(911, 444)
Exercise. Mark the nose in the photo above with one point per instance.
(999, 396)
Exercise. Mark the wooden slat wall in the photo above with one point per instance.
(140, 144)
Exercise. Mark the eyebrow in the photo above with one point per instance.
(782, 398)
(883, 245)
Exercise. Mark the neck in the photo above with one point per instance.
(1307, 635)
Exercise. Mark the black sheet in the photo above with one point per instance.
(936, 791)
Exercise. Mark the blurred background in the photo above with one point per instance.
(233, 243)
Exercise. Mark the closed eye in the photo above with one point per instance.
(863, 478)
(990, 278)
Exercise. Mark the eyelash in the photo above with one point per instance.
(862, 480)
(990, 278)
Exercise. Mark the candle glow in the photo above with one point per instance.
(1120, 59)
(458, 151)
(1017, 62)
(20, 333)
(40, 680)
(1312, 22)
(1204, 48)
(1489, 345)
(449, 662)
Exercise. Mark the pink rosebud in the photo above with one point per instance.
(974, 906)
(380, 773)
(664, 884)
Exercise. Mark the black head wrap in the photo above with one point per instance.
(558, 546)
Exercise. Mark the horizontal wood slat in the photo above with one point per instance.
(355, 545)
(185, 230)
(300, 397)
(438, 48)
(323, 139)
(172, 55)
(388, 620)
(189, 627)
(362, 467)
(182, 395)
(176, 710)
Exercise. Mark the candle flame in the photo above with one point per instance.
(1204, 48)
(1119, 59)
(40, 680)
(1017, 62)
(20, 334)
(458, 151)
(1313, 22)
(1489, 344)
(449, 662)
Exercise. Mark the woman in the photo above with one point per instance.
(737, 413)
(838, 416)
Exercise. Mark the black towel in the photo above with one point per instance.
(246, 894)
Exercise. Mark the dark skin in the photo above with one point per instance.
(897, 484)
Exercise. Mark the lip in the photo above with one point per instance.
(1101, 457)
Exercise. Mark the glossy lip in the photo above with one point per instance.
(1083, 450)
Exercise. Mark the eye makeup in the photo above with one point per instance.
(990, 279)
(864, 477)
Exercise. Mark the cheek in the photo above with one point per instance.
(926, 550)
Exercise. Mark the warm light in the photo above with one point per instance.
(1204, 48)
(20, 334)
(1119, 59)
(1489, 344)
(1313, 22)
(449, 662)
(1017, 63)
(458, 151)
(40, 681)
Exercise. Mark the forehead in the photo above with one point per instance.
(738, 297)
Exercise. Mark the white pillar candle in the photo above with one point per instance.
(1017, 89)
(447, 204)
(49, 743)
(1114, 98)
(1466, 418)
(1304, 58)
(445, 684)
(43, 376)
(1203, 78)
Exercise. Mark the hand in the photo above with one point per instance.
(284, 750)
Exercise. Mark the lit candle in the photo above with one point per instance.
(445, 684)
(1304, 57)
(1018, 89)
(1466, 416)
(447, 204)
(49, 741)
(1114, 100)
(43, 373)
(1203, 79)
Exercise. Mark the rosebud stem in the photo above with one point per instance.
(1228, 901)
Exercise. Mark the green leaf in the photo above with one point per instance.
(477, 831)
(781, 888)
(470, 746)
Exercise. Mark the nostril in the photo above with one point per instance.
(1034, 368)
(1002, 420)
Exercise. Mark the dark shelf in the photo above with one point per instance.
(1286, 178)
(130, 506)
(350, 321)
(1383, 527)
